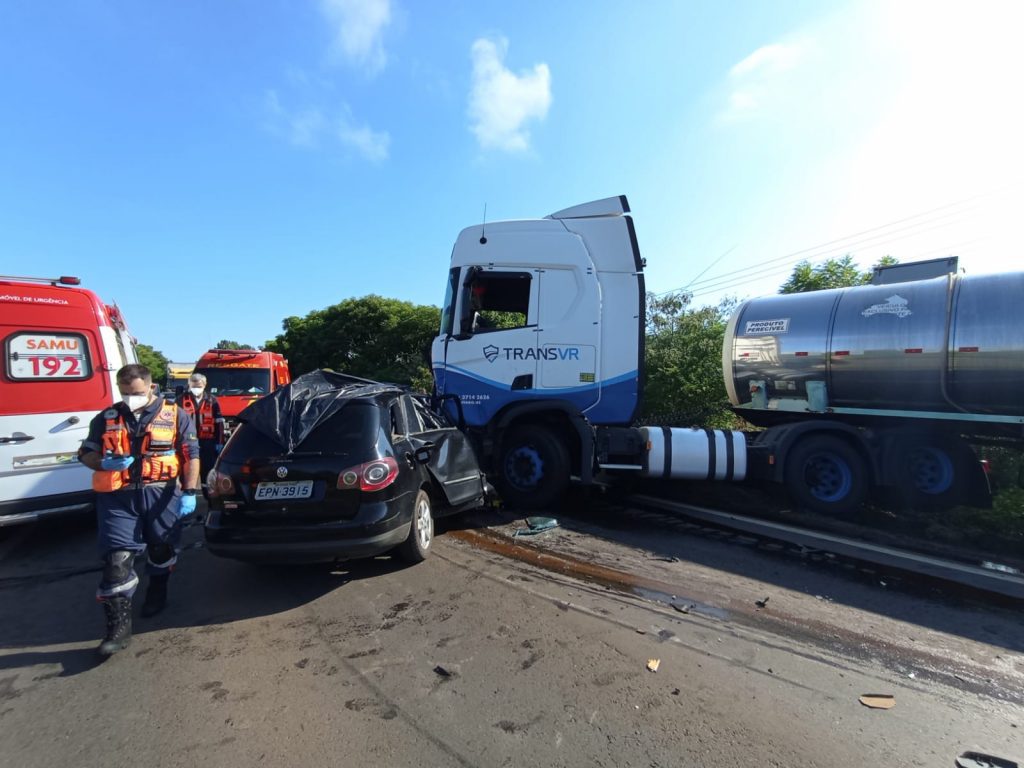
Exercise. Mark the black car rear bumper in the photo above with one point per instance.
(314, 542)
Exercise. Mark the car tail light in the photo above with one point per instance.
(371, 476)
(985, 466)
(219, 484)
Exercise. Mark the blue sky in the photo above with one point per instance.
(217, 167)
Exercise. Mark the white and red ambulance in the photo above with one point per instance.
(62, 347)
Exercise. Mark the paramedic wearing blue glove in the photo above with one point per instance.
(145, 458)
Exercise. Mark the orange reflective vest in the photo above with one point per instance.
(205, 428)
(160, 461)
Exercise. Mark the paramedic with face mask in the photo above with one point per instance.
(145, 461)
(205, 412)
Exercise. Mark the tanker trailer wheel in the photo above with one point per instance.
(931, 471)
(533, 467)
(827, 475)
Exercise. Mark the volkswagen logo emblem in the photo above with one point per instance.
(282, 471)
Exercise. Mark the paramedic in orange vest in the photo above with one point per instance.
(205, 412)
(145, 460)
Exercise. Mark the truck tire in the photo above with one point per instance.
(825, 474)
(932, 471)
(533, 467)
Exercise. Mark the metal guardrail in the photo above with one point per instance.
(1002, 582)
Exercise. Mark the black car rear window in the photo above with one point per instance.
(355, 429)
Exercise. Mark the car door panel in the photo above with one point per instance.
(452, 464)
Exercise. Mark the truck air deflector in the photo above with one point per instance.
(609, 206)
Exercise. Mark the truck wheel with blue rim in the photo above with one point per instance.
(932, 471)
(826, 474)
(533, 467)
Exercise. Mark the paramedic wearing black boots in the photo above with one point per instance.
(139, 451)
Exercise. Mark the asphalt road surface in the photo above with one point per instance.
(502, 652)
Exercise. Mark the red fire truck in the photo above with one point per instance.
(237, 377)
(62, 347)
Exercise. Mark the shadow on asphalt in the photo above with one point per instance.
(48, 582)
(926, 603)
(48, 579)
(72, 662)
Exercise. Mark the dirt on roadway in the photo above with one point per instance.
(476, 658)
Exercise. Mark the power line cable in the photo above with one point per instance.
(815, 260)
(709, 266)
(883, 238)
(797, 254)
(765, 274)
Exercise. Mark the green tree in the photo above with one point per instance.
(154, 360)
(227, 344)
(834, 273)
(684, 361)
(373, 337)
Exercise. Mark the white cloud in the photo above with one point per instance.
(759, 80)
(301, 129)
(358, 27)
(774, 58)
(310, 128)
(502, 102)
(372, 145)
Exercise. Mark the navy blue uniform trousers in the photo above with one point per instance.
(138, 520)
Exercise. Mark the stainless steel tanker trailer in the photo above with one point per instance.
(880, 387)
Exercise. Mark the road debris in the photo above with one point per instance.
(762, 603)
(536, 525)
(653, 664)
(683, 608)
(878, 700)
(981, 760)
(439, 670)
(675, 691)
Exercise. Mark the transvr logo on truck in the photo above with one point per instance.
(492, 353)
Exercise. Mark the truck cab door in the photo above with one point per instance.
(490, 352)
(568, 336)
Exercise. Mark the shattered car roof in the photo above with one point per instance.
(291, 413)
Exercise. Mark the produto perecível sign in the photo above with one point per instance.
(758, 327)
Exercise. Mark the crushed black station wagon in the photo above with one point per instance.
(335, 467)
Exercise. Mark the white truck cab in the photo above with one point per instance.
(542, 310)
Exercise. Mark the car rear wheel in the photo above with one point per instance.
(421, 533)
